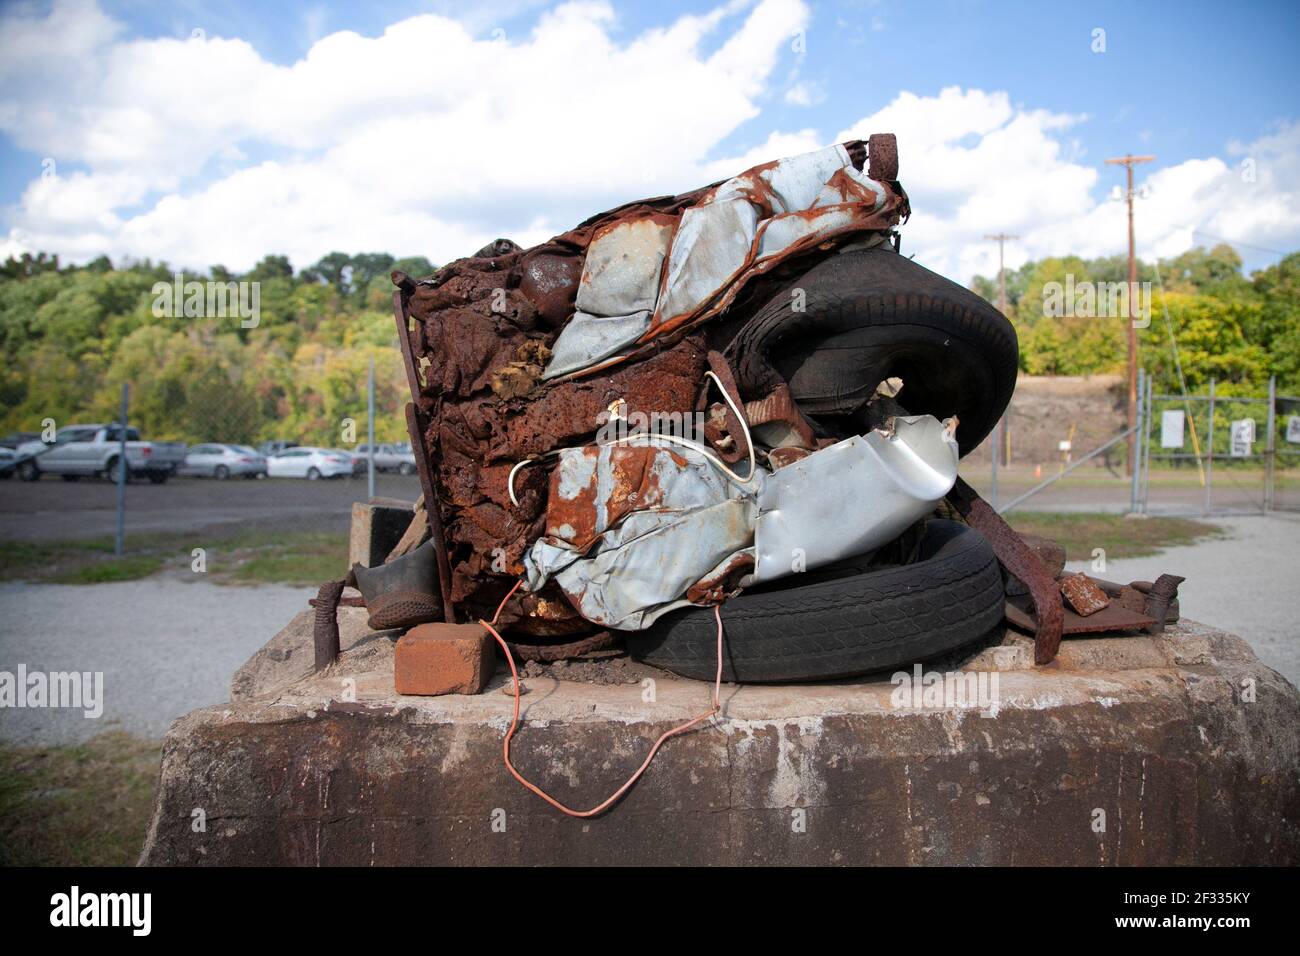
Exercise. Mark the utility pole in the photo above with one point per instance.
(999, 430)
(1000, 238)
(1128, 161)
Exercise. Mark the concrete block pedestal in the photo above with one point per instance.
(1175, 749)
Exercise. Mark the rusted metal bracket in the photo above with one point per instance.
(402, 314)
(1019, 559)
(415, 426)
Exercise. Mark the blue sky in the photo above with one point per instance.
(1203, 87)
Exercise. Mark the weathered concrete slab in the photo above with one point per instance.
(1176, 749)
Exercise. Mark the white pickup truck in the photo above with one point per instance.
(85, 450)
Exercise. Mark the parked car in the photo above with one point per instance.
(269, 448)
(83, 450)
(390, 457)
(221, 461)
(14, 439)
(8, 463)
(313, 463)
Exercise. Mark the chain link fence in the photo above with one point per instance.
(1237, 454)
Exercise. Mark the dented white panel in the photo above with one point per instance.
(589, 338)
(711, 247)
(852, 497)
(780, 233)
(640, 566)
(796, 181)
(849, 185)
(751, 217)
(844, 500)
(621, 273)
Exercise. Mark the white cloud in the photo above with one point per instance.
(436, 137)
(424, 139)
(973, 163)
(805, 93)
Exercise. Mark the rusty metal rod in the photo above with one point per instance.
(415, 427)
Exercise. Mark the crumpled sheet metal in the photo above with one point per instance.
(632, 529)
(764, 213)
(481, 331)
(851, 497)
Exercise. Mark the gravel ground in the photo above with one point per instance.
(165, 646)
(1247, 583)
(154, 672)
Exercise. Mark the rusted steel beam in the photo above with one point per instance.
(402, 314)
(1019, 559)
(415, 426)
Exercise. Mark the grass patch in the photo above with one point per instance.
(233, 555)
(1121, 537)
(127, 568)
(78, 805)
(304, 562)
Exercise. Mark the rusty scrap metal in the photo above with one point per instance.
(1050, 553)
(724, 429)
(1163, 591)
(882, 157)
(787, 425)
(1083, 596)
(1020, 560)
(325, 629)
(477, 336)
(416, 427)
(1112, 619)
(547, 653)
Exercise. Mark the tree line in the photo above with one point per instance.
(73, 334)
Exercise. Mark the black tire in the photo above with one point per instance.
(111, 468)
(71, 477)
(313, 474)
(406, 468)
(842, 620)
(159, 477)
(221, 473)
(871, 314)
(29, 471)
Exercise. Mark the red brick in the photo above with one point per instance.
(435, 659)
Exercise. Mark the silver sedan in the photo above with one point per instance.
(221, 461)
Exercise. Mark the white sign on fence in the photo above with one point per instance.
(1243, 435)
(1293, 429)
(1171, 428)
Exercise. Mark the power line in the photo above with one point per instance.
(1231, 242)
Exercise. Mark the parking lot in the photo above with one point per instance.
(51, 509)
